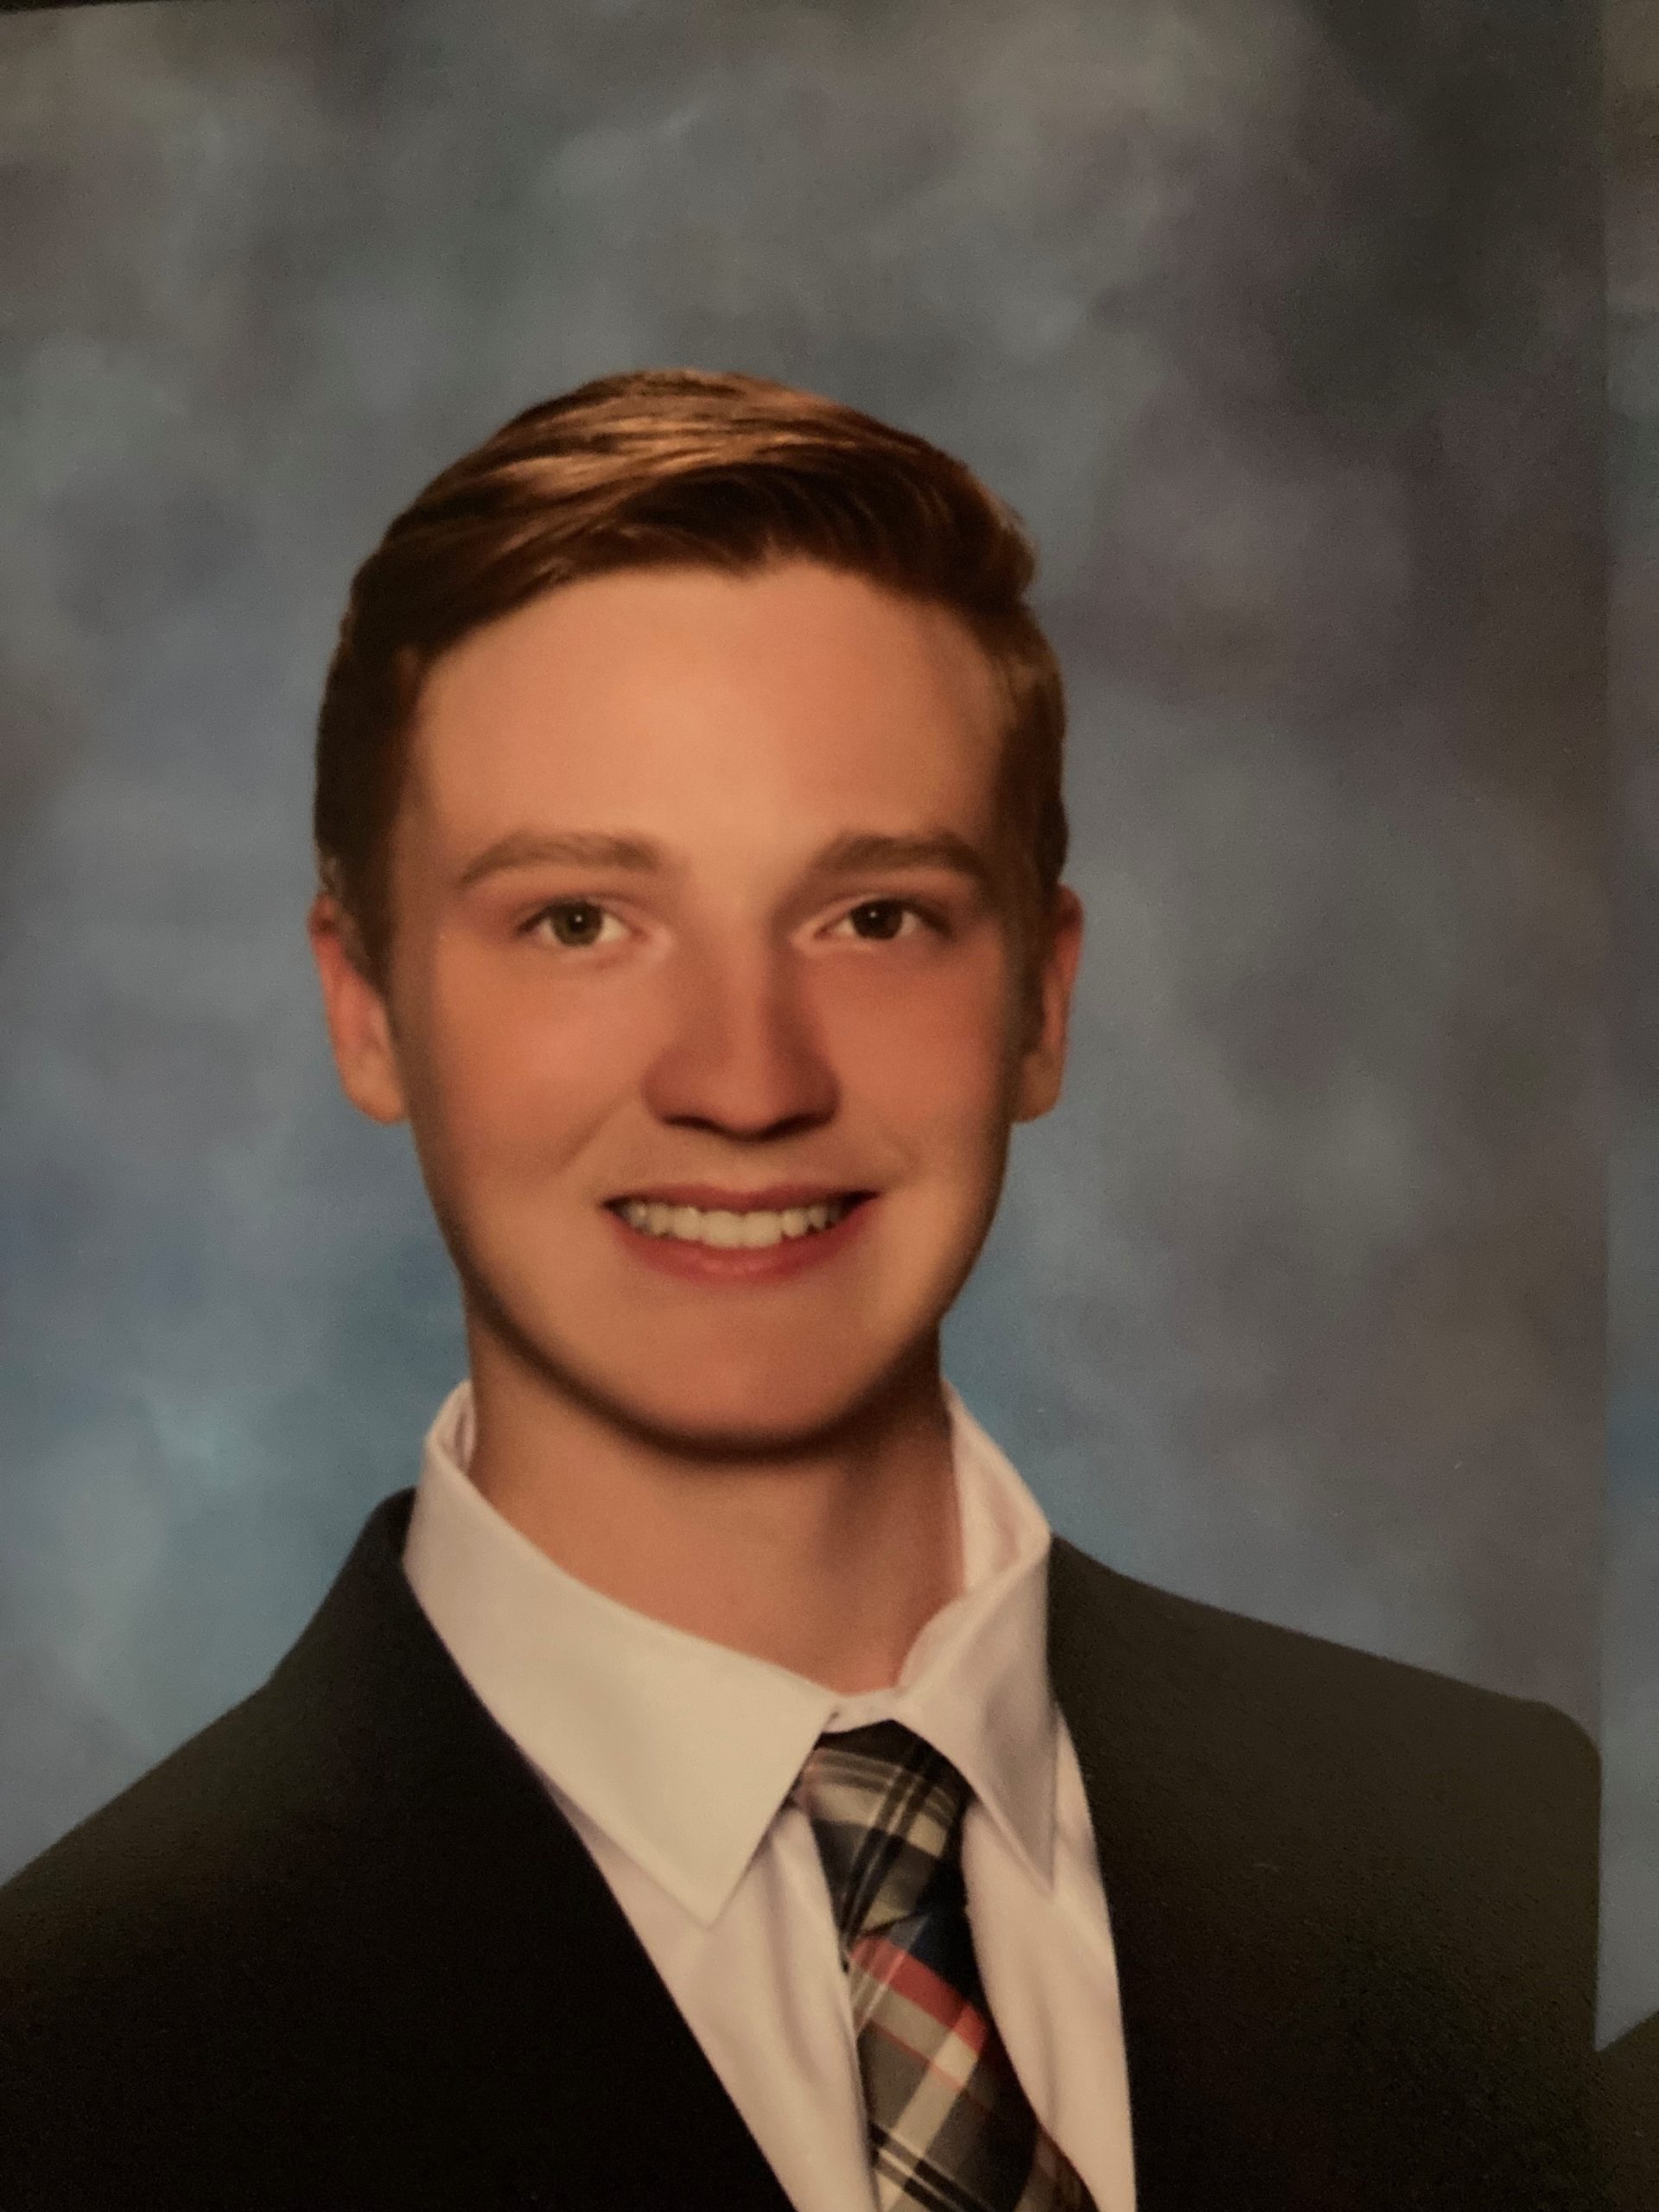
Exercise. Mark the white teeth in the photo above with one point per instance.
(725, 1230)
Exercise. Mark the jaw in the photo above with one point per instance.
(700, 1353)
(735, 1395)
(589, 1322)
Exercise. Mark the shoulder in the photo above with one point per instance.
(248, 1961)
(196, 1843)
(250, 1811)
(176, 1941)
(1224, 1672)
(1371, 1774)
(317, 1805)
(1379, 1883)
(213, 1902)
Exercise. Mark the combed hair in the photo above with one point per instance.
(674, 468)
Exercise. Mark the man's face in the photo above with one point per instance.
(704, 999)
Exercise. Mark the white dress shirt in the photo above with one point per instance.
(673, 1758)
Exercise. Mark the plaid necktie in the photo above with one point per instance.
(950, 2127)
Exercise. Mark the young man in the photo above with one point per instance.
(713, 1787)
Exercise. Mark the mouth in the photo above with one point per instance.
(738, 1222)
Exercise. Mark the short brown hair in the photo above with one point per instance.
(675, 467)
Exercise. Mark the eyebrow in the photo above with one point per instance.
(851, 854)
(569, 849)
(940, 848)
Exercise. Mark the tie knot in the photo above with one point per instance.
(887, 1810)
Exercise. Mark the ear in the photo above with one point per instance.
(360, 1028)
(1042, 1066)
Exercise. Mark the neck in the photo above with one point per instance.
(827, 1557)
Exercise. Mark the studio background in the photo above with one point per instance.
(1277, 319)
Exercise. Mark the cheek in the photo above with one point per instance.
(939, 1061)
(511, 1067)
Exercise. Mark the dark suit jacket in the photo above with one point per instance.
(1629, 2085)
(340, 1951)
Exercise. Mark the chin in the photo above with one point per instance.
(770, 1419)
(732, 1387)
(707, 1407)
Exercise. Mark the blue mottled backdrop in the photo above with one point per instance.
(1276, 318)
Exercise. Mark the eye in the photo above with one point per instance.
(576, 924)
(879, 920)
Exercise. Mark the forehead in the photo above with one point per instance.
(676, 699)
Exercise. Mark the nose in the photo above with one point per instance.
(741, 1057)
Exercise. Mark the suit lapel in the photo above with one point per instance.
(523, 2038)
(1193, 1921)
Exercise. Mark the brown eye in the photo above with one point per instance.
(576, 923)
(879, 919)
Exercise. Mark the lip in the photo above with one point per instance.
(710, 1197)
(709, 1263)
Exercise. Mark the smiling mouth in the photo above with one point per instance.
(729, 1231)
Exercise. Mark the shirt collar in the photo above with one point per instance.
(683, 1750)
